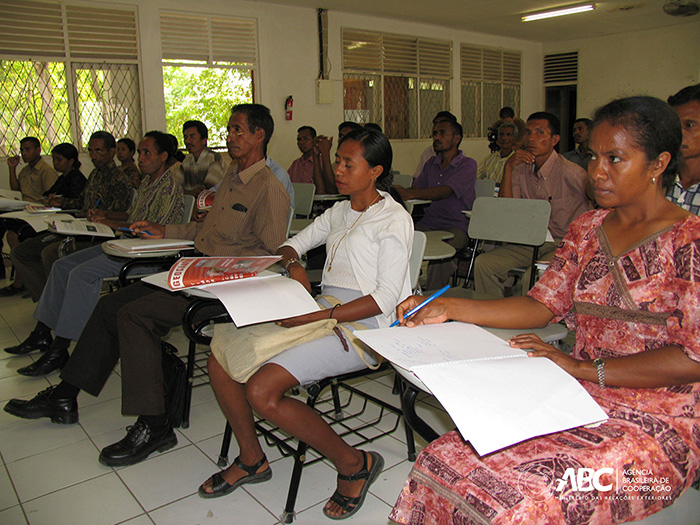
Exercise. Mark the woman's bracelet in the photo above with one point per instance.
(333, 310)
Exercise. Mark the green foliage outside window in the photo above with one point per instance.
(206, 94)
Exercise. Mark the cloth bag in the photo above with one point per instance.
(242, 351)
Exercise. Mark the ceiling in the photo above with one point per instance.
(502, 17)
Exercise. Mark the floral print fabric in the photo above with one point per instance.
(634, 464)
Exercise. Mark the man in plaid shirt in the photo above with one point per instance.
(685, 191)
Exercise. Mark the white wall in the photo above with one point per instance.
(288, 65)
(656, 62)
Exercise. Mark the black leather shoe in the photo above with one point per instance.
(61, 411)
(36, 341)
(140, 442)
(47, 363)
(10, 290)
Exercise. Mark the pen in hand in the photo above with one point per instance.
(122, 228)
(421, 305)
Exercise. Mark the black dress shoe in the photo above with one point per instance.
(10, 290)
(36, 341)
(47, 363)
(61, 411)
(141, 440)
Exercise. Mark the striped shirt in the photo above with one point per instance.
(492, 167)
(248, 216)
(687, 199)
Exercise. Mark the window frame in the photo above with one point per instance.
(482, 67)
(69, 35)
(407, 62)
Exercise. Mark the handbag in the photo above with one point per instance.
(242, 351)
(175, 383)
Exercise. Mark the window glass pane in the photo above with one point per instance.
(471, 109)
(400, 107)
(108, 99)
(492, 105)
(33, 102)
(511, 97)
(434, 97)
(362, 100)
(206, 94)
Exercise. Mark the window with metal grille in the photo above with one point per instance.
(398, 81)
(208, 67)
(491, 79)
(67, 71)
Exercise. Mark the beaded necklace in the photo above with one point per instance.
(336, 245)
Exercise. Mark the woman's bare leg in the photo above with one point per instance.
(265, 392)
(232, 400)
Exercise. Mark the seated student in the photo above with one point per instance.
(580, 154)
(322, 148)
(203, 167)
(492, 166)
(67, 191)
(33, 180)
(309, 167)
(248, 217)
(368, 241)
(107, 188)
(507, 113)
(74, 283)
(303, 169)
(626, 278)
(429, 152)
(536, 171)
(125, 155)
(685, 189)
(448, 180)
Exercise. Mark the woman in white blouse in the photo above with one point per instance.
(368, 242)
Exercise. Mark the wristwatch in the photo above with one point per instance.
(288, 264)
(599, 365)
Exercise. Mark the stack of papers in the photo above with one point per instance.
(496, 395)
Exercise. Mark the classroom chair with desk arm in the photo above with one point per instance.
(514, 221)
(203, 312)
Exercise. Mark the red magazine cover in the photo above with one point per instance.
(205, 200)
(195, 271)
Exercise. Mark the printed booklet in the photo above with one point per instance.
(196, 271)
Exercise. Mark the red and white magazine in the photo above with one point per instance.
(196, 271)
(205, 200)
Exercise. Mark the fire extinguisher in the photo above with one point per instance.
(288, 107)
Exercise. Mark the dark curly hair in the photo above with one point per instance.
(654, 126)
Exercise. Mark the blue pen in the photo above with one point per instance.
(421, 305)
(122, 228)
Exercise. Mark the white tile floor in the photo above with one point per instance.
(50, 473)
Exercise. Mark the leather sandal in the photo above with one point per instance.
(220, 487)
(351, 505)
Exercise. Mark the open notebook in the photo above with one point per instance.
(496, 395)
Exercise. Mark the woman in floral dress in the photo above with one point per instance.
(627, 279)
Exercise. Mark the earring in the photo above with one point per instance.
(653, 180)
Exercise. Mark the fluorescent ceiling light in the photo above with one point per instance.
(558, 12)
